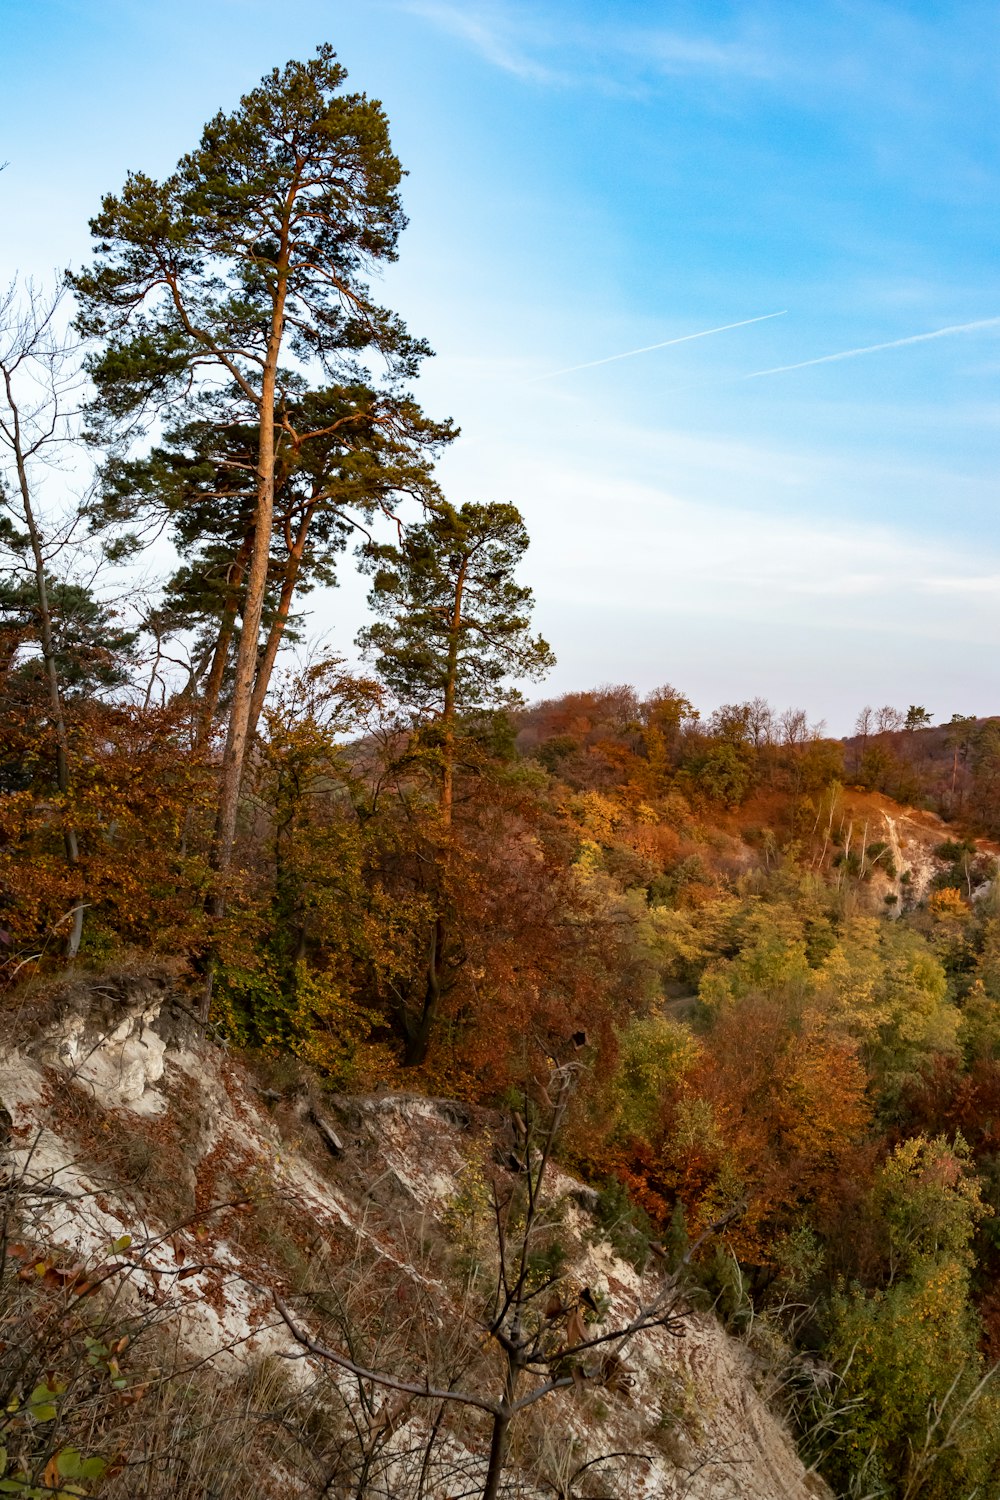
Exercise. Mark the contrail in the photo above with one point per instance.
(916, 338)
(648, 348)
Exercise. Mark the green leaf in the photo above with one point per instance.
(68, 1464)
(41, 1401)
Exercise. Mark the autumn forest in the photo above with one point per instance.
(772, 955)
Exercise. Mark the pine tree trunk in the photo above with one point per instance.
(450, 687)
(217, 671)
(278, 625)
(246, 660)
(418, 1037)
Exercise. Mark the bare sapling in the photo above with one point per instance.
(535, 1326)
(40, 390)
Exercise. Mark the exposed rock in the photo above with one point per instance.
(260, 1172)
(912, 844)
(328, 1135)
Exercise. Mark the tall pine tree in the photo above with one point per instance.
(254, 251)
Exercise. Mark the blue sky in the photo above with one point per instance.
(587, 179)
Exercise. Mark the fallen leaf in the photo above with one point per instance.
(576, 1329)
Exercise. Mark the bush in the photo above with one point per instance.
(654, 1054)
(917, 1415)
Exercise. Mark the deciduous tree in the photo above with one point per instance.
(39, 396)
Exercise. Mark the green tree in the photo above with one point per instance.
(725, 775)
(878, 767)
(916, 718)
(253, 251)
(363, 451)
(75, 633)
(455, 627)
(919, 1419)
(654, 1055)
(731, 723)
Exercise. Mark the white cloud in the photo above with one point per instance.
(670, 52)
(984, 583)
(488, 32)
(647, 580)
(515, 38)
(639, 546)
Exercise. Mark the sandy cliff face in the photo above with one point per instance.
(912, 839)
(124, 1122)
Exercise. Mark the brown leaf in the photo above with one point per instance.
(67, 1273)
(576, 1329)
(392, 1414)
(616, 1374)
(554, 1307)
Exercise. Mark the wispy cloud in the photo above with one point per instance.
(913, 338)
(671, 52)
(685, 338)
(518, 40)
(984, 583)
(701, 558)
(489, 32)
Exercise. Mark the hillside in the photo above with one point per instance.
(777, 992)
(949, 768)
(418, 1088)
(145, 1159)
